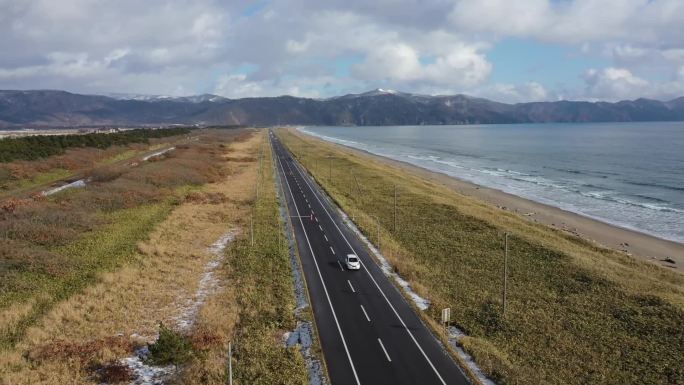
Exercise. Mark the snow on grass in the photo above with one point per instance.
(303, 336)
(162, 152)
(208, 284)
(78, 183)
(455, 335)
(421, 303)
(144, 374)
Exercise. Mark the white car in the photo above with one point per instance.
(352, 262)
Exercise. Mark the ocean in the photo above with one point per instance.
(627, 174)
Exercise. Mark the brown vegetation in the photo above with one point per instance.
(54, 248)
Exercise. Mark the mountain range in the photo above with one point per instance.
(45, 108)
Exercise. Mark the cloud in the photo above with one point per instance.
(577, 21)
(614, 84)
(515, 93)
(318, 49)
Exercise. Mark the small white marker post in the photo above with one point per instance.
(230, 364)
(251, 227)
(505, 275)
(446, 317)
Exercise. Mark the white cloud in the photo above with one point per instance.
(515, 93)
(436, 46)
(614, 84)
(237, 86)
(575, 21)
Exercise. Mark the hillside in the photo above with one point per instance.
(378, 107)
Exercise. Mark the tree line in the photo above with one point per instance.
(43, 146)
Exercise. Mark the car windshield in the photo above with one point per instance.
(352, 259)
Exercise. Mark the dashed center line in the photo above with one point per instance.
(326, 238)
(351, 287)
(364, 313)
(384, 350)
(333, 250)
(319, 226)
(341, 268)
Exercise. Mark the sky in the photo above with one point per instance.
(505, 50)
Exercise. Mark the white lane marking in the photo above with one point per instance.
(320, 276)
(364, 313)
(316, 218)
(319, 226)
(351, 287)
(384, 350)
(341, 268)
(371, 277)
(333, 250)
(326, 238)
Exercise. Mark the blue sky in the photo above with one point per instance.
(524, 60)
(512, 51)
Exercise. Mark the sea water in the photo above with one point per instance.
(627, 174)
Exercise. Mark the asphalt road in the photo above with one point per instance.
(368, 331)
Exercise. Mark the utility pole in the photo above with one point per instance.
(251, 227)
(505, 273)
(395, 208)
(230, 363)
(377, 220)
(351, 181)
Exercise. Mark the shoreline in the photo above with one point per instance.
(637, 244)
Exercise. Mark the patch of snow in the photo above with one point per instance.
(421, 303)
(157, 375)
(144, 374)
(78, 183)
(303, 336)
(208, 284)
(455, 335)
(384, 91)
(162, 152)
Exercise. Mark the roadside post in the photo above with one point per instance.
(446, 318)
(230, 363)
(395, 208)
(505, 274)
(377, 221)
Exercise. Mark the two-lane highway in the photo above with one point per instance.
(368, 332)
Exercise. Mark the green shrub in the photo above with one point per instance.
(171, 347)
(42, 146)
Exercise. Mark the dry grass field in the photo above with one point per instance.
(89, 274)
(24, 175)
(576, 313)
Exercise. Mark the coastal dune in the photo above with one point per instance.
(660, 251)
(663, 252)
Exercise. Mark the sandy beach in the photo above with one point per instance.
(662, 252)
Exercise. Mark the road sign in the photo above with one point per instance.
(446, 315)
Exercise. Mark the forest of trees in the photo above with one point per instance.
(36, 147)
